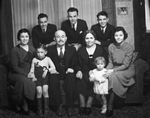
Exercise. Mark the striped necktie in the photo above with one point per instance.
(61, 53)
(73, 27)
(102, 29)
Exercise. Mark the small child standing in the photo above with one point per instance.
(40, 67)
(97, 75)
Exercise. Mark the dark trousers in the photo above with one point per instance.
(69, 87)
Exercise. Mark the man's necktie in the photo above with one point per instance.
(43, 30)
(103, 30)
(61, 53)
(73, 27)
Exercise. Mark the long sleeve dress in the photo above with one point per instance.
(85, 64)
(121, 60)
(20, 67)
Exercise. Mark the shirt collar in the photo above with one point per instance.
(44, 30)
(63, 48)
(103, 27)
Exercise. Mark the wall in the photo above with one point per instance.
(125, 18)
(109, 7)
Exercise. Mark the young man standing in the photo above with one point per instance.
(74, 28)
(43, 33)
(103, 30)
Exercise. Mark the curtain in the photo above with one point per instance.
(88, 10)
(147, 15)
(25, 12)
(6, 27)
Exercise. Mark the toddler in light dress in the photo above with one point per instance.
(97, 75)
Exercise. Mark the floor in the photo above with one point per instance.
(134, 111)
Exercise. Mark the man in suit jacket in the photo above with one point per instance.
(64, 58)
(103, 30)
(74, 28)
(43, 32)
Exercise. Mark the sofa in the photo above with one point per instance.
(3, 82)
(135, 92)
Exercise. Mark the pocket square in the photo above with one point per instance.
(80, 32)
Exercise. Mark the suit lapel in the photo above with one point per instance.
(106, 30)
(66, 53)
(99, 29)
(78, 26)
(56, 53)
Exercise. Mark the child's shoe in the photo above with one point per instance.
(104, 109)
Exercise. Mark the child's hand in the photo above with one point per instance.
(34, 79)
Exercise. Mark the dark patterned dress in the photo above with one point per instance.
(85, 64)
(20, 67)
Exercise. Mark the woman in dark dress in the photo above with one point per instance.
(21, 57)
(86, 56)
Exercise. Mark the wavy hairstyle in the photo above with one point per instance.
(117, 29)
(23, 30)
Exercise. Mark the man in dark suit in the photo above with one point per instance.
(43, 32)
(104, 31)
(74, 28)
(64, 58)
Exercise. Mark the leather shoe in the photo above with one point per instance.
(109, 113)
(59, 112)
(17, 109)
(70, 111)
(88, 110)
(26, 113)
(81, 110)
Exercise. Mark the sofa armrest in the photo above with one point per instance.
(141, 66)
(135, 92)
